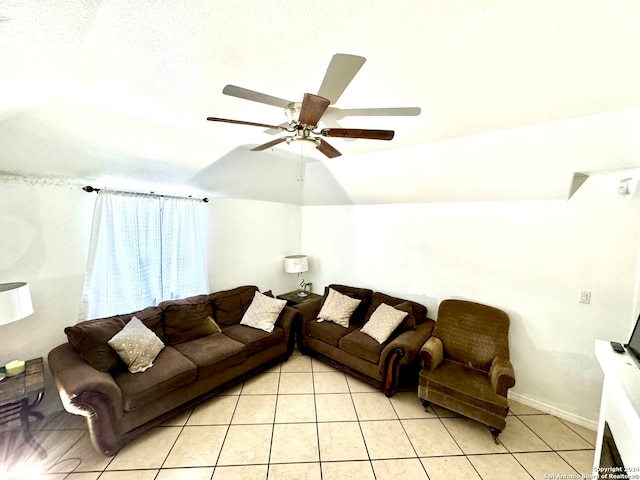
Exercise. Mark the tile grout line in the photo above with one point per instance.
(542, 440)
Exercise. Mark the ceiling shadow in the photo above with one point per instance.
(273, 175)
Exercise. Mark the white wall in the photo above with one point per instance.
(528, 258)
(44, 237)
(249, 240)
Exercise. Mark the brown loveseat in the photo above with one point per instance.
(206, 350)
(394, 362)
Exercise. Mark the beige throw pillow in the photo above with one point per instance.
(338, 308)
(383, 322)
(136, 345)
(263, 312)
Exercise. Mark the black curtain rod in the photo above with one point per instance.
(90, 189)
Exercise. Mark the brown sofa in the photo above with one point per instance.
(198, 360)
(387, 365)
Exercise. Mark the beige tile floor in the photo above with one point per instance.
(305, 420)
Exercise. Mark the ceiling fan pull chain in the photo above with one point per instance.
(301, 177)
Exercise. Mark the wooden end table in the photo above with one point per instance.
(292, 298)
(14, 399)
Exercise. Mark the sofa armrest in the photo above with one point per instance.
(74, 378)
(409, 343)
(289, 320)
(432, 353)
(502, 375)
(88, 392)
(402, 350)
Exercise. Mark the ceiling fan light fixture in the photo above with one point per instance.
(292, 111)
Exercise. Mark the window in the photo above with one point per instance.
(144, 249)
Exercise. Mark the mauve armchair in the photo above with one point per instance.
(465, 364)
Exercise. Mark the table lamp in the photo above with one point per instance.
(297, 264)
(15, 304)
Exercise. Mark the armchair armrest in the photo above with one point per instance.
(502, 375)
(432, 353)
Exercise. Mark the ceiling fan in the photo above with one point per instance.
(303, 117)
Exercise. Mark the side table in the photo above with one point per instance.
(14, 399)
(292, 298)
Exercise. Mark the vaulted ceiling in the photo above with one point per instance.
(117, 93)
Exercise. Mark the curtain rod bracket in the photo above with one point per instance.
(90, 189)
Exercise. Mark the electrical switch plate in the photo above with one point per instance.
(585, 296)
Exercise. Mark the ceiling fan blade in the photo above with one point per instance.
(340, 73)
(281, 127)
(358, 133)
(313, 106)
(254, 96)
(270, 144)
(327, 149)
(242, 122)
(377, 112)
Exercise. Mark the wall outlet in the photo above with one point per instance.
(585, 296)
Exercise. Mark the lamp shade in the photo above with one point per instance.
(296, 264)
(15, 302)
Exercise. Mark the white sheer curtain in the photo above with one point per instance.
(144, 249)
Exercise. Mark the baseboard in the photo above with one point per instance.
(556, 412)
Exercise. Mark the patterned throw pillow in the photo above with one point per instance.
(136, 345)
(383, 322)
(338, 308)
(263, 312)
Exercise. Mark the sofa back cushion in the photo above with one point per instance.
(230, 305)
(90, 337)
(362, 294)
(472, 333)
(417, 312)
(151, 317)
(187, 319)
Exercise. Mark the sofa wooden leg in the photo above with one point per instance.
(425, 404)
(495, 433)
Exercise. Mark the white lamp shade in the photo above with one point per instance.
(15, 302)
(296, 264)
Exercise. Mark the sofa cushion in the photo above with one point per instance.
(136, 345)
(151, 317)
(465, 384)
(263, 312)
(383, 322)
(338, 308)
(187, 319)
(90, 339)
(171, 371)
(213, 353)
(418, 312)
(362, 294)
(229, 305)
(328, 332)
(362, 346)
(255, 339)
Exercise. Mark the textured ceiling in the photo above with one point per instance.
(117, 92)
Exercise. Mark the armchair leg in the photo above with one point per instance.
(495, 433)
(425, 403)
